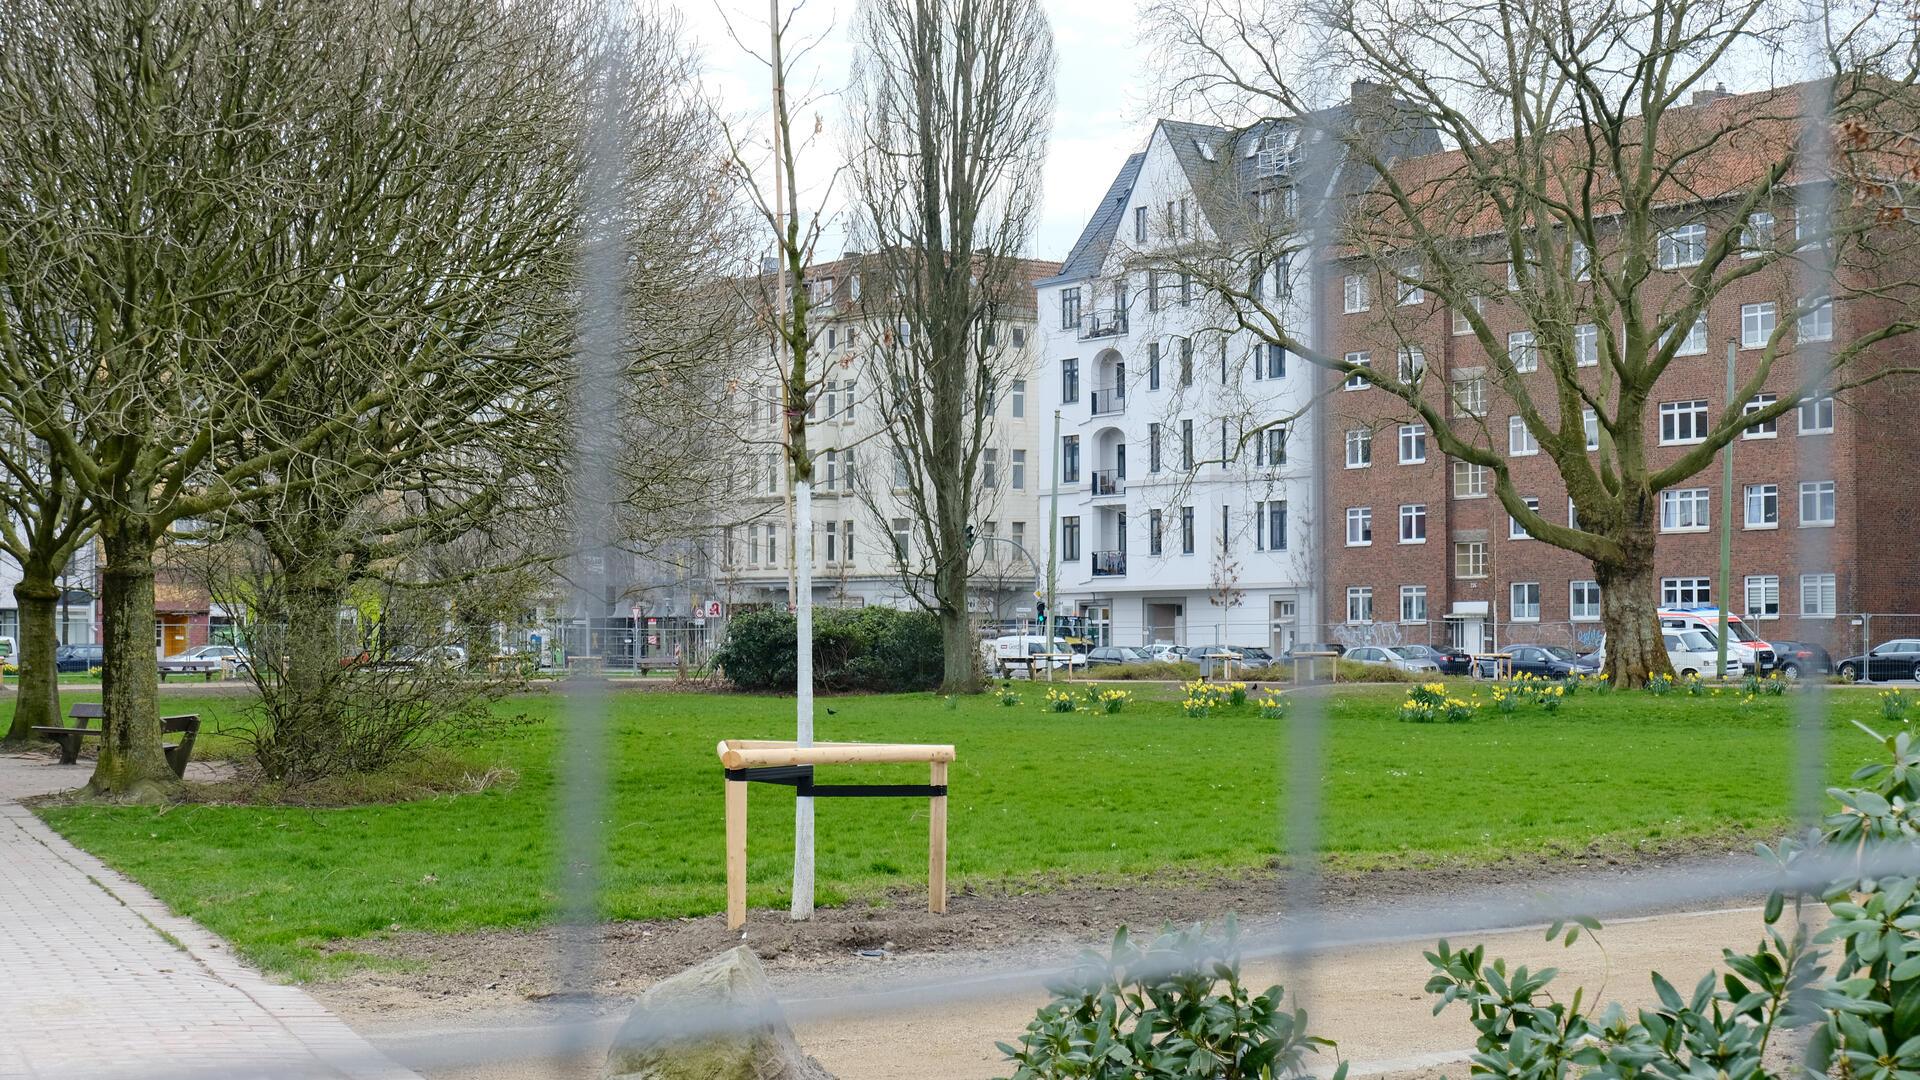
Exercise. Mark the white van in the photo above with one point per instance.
(1755, 655)
(1001, 649)
(1692, 652)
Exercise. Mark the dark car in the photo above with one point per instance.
(1540, 661)
(1449, 661)
(1254, 655)
(78, 657)
(1114, 654)
(1797, 658)
(1896, 659)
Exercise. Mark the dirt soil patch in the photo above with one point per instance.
(421, 977)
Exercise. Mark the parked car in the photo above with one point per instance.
(1693, 652)
(1333, 647)
(1541, 661)
(1391, 657)
(1796, 658)
(78, 657)
(1107, 655)
(1449, 661)
(1896, 659)
(1253, 655)
(1742, 642)
(1164, 652)
(201, 659)
(999, 650)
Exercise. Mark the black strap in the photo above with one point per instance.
(800, 778)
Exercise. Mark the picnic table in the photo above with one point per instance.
(1312, 658)
(83, 713)
(1502, 664)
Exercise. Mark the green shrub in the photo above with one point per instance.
(875, 648)
(1173, 1009)
(1166, 670)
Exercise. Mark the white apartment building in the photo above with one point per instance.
(861, 519)
(73, 613)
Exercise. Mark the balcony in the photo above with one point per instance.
(1109, 401)
(1109, 564)
(1100, 324)
(1107, 482)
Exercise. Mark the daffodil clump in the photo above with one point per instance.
(1895, 705)
(1506, 699)
(1275, 706)
(1061, 700)
(1694, 685)
(1237, 694)
(1660, 685)
(1597, 684)
(1429, 703)
(1203, 697)
(1108, 701)
(1008, 699)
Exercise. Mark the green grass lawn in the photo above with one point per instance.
(1035, 797)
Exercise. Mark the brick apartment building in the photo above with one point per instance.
(1418, 549)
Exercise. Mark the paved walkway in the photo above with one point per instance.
(98, 979)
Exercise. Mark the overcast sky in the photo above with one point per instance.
(1101, 114)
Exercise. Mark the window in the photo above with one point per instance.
(1186, 444)
(1359, 604)
(1765, 429)
(1070, 538)
(1413, 444)
(1683, 246)
(1523, 603)
(1816, 416)
(1817, 323)
(1226, 529)
(990, 468)
(1762, 597)
(1069, 308)
(1019, 337)
(1274, 536)
(1413, 603)
(1756, 235)
(1153, 365)
(1139, 224)
(1581, 260)
(1757, 322)
(1153, 290)
(1413, 523)
(773, 545)
(1069, 459)
(1153, 532)
(1019, 470)
(1573, 514)
(1359, 526)
(1685, 509)
(1816, 503)
(1357, 381)
(1470, 559)
(1186, 530)
(1590, 424)
(1683, 422)
(1586, 345)
(900, 478)
(1153, 448)
(1470, 395)
(1359, 448)
(1270, 446)
(1355, 293)
(1583, 601)
(1186, 361)
(902, 538)
(1810, 220)
(1819, 596)
(1019, 398)
(1281, 286)
(1412, 363)
(1685, 591)
(1462, 324)
(1695, 343)
(1517, 531)
(1270, 362)
(1520, 440)
(1018, 532)
(1069, 380)
(1409, 290)
(1522, 351)
(1763, 506)
(832, 535)
(1471, 481)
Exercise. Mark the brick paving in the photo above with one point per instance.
(99, 979)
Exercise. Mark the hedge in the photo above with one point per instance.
(875, 648)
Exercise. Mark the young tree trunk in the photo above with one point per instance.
(305, 712)
(1629, 610)
(37, 697)
(131, 764)
(960, 654)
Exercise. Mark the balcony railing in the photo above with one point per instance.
(1109, 401)
(1108, 482)
(1109, 564)
(1099, 324)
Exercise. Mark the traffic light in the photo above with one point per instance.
(969, 536)
(1040, 610)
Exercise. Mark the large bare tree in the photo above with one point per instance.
(44, 524)
(1589, 207)
(204, 205)
(950, 110)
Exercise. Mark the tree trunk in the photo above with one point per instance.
(131, 764)
(304, 710)
(37, 698)
(1629, 610)
(960, 653)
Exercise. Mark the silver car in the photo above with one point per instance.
(1404, 657)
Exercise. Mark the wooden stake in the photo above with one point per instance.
(937, 842)
(737, 854)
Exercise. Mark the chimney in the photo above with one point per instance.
(1707, 97)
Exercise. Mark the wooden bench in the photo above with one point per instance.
(206, 672)
(178, 753)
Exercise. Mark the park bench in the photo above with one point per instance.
(178, 753)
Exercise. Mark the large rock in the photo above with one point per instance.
(716, 1021)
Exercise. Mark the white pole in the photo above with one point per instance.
(803, 619)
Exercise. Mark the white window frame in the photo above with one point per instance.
(1768, 430)
(1355, 295)
(1412, 362)
(1359, 448)
(1523, 601)
(1473, 403)
(1760, 596)
(1581, 607)
(1757, 324)
(1695, 343)
(1826, 596)
(1817, 406)
(1590, 427)
(1520, 440)
(1819, 491)
(1760, 497)
(1683, 245)
(1359, 526)
(1413, 444)
(1470, 560)
(1413, 604)
(1586, 345)
(1407, 292)
(1816, 324)
(1685, 591)
(1478, 480)
(1358, 359)
(1463, 326)
(1684, 510)
(1697, 419)
(1359, 604)
(1750, 231)
(1517, 531)
(1523, 351)
(1413, 523)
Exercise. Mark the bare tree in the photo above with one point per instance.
(1591, 207)
(44, 524)
(950, 110)
(198, 205)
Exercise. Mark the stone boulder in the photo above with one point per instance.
(681, 1029)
